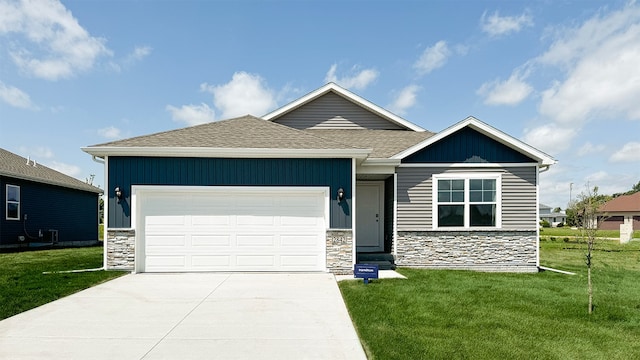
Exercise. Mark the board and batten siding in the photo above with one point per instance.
(415, 206)
(127, 171)
(331, 111)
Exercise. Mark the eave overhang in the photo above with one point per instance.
(103, 151)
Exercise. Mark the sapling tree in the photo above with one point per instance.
(589, 218)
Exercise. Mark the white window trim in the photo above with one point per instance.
(7, 202)
(466, 177)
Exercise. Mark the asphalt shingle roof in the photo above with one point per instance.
(623, 203)
(247, 132)
(12, 165)
(385, 143)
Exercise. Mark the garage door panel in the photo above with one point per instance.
(210, 220)
(250, 240)
(166, 240)
(210, 240)
(233, 231)
(255, 220)
(255, 261)
(210, 261)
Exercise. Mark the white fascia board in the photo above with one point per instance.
(226, 152)
(378, 166)
(467, 165)
(495, 134)
(349, 96)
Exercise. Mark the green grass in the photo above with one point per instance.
(438, 314)
(23, 285)
(568, 232)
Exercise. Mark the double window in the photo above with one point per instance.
(13, 202)
(466, 201)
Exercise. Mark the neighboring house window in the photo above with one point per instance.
(13, 202)
(467, 201)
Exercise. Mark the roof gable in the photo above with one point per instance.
(15, 166)
(314, 110)
(476, 142)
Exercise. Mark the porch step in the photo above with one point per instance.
(384, 261)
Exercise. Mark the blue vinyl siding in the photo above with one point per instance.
(74, 213)
(467, 146)
(127, 171)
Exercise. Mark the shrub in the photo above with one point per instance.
(553, 238)
(560, 225)
(566, 239)
(545, 223)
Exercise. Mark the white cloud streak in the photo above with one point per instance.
(358, 79)
(432, 58)
(508, 92)
(110, 132)
(192, 114)
(550, 138)
(15, 97)
(49, 42)
(496, 25)
(588, 148)
(404, 99)
(630, 152)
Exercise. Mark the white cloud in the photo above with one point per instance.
(192, 114)
(55, 45)
(602, 78)
(15, 97)
(588, 148)
(110, 132)
(68, 169)
(509, 92)
(432, 58)
(244, 94)
(404, 99)
(359, 79)
(630, 152)
(496, 25)
(549, 138)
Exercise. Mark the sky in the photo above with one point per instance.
(562, 76)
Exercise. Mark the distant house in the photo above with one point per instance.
(621, 213)
(317, 185)
(41, 206)
(553, 217)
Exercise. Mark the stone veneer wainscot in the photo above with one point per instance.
(121, 246)
(340, 251)
(509, 251)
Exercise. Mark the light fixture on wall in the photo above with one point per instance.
(340, 194)
(118, 193)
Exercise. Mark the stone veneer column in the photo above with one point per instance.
(121, 246)
(509, 251)
(340, 251)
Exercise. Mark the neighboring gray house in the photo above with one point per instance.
(317, 185)
(553, 217)
(43, 207)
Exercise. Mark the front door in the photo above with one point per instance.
(369, 216)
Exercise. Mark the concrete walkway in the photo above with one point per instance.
(190, 316)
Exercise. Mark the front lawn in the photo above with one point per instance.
(23, 285)
(438, 314)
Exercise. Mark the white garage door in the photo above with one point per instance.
(233, 229)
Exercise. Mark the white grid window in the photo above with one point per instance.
(466, 201)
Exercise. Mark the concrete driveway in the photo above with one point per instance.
(190, 316)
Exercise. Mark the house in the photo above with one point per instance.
(621, 213)
(42, 206)
(314, 185)
(554, 218)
